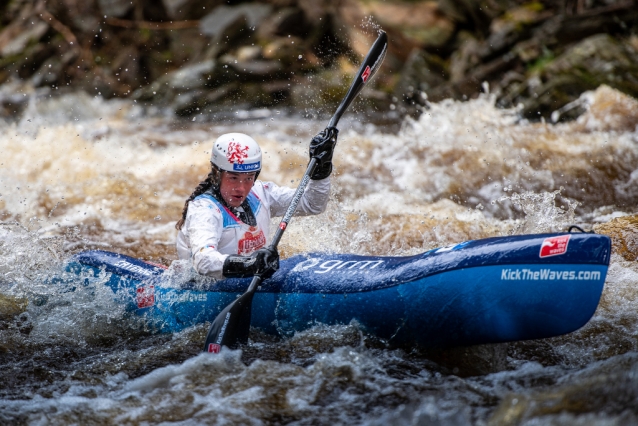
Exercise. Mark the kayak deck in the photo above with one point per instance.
(483, 291)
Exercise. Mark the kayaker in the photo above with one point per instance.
(224, 227)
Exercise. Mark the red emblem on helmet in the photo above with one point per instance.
(366, 73)
(553, 246)
(237, 153)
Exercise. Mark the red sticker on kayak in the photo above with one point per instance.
(214, 348)
(145, 296)
(366, 74)
(554, 246)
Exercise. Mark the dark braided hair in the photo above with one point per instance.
(213, 178)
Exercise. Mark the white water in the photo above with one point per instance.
(81, 173)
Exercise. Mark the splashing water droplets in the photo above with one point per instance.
(541, 212)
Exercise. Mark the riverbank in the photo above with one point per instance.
(203, 58)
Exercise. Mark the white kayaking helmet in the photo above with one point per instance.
(236, 152)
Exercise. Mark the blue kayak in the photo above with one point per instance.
(483, 291)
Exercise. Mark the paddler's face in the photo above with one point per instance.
(235, 187)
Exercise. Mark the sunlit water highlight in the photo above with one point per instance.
(80, 173)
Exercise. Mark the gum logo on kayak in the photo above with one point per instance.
(553, 246)
(320, 267)
(133, 268)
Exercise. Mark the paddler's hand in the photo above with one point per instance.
(322, 147)
(263, 262)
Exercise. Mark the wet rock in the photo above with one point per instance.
(254, 69)
(603, 387)
(229, 23)
(447, 48)
(15, 38)
(623, 232)
(596, 60)
(259, 95)
(221, 20)
(289, 21)
(473, 14)
(471, 84)
(607, 110)
(353, 30)
(12, 106)
(195, 102)
(188, 9)
(515, 25)
(249, 53)
(614, 19)
(466, 57)
(188, 78)
(421, 74)
(83, 17)
(11, 307)
(115, 8)
(287, 51)
(233, 96)
(216, 23)
(51, 71)
(12, 99)
(321, 91)
(420, 22)
(126, 66)
(317, 10)
(191, 89)
(473, 57)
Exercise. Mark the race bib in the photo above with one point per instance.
(252, 240)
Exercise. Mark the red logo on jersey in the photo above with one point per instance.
(214, 348)
(253, 239)
(237, 152)
(145, 296)
(366, 73)
(554, 246)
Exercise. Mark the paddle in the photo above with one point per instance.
(232, 325)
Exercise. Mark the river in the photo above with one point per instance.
(81, 173)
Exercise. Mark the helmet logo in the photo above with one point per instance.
(237, 152)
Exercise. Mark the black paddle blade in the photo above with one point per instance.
(232, 325)
(369, 67)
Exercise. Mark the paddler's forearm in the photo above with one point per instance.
(315, 198)
(208, 261)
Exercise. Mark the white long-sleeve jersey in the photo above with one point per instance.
(211, 231)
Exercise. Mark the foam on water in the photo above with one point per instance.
(84, 173)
